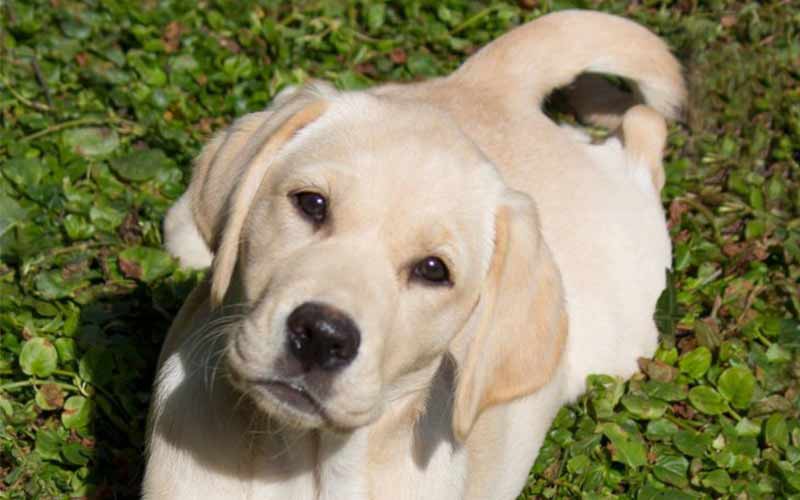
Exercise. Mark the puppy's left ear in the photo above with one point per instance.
(522, 324)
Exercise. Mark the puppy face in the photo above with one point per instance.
(362, 255)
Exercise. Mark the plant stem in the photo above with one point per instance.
(61, 126)
(730, 411)
(472, 20)
(24, 100)
(36, 382)
(685, 424)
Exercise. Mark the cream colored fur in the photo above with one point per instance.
(557, 250)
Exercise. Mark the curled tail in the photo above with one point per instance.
(523, 66)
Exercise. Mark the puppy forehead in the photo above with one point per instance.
(395, 147)
(403, 167)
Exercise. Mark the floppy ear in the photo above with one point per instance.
(226, 177)
(259, 155)
(193, 225)
(522, 325)
(221, 165)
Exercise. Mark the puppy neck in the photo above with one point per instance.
(417, 427)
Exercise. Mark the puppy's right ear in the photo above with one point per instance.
(194, 223)
(223, 162)
(259, 155)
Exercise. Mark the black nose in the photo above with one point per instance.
(321, 336)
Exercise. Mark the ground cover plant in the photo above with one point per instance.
(103, 104)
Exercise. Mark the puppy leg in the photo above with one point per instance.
(644, 135)
(182, 239)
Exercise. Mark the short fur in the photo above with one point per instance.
(556, 247)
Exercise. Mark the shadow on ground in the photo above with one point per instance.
(122, 334)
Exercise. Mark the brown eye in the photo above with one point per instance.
(433, 270)
(313, 205)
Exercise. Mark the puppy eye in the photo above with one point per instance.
(313, 205)
(433, 270)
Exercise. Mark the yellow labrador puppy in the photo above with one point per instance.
(408, 282)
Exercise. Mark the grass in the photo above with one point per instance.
(104, 103)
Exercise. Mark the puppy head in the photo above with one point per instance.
(364, 237)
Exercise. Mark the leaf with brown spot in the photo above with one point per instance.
(204, 125)
(707, 333)
(551, 472)
(130, 269)
(398, 56)
(760, 251)
(229, 44)
(74, 269)
(683, 410)
(130, 231)
(676, 210)
(733, 228)
(734, 249)
(172, 37)
(50, 397)
(658, 370)
(687, 344)
(769, 405)
(683, 236)
(368, 69)
(728, 21)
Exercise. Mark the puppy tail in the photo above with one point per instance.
(525, 65)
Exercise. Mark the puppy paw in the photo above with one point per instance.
(182, 239)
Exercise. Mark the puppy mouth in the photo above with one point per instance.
(290, 399)
(291, 396)
(287, 400)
